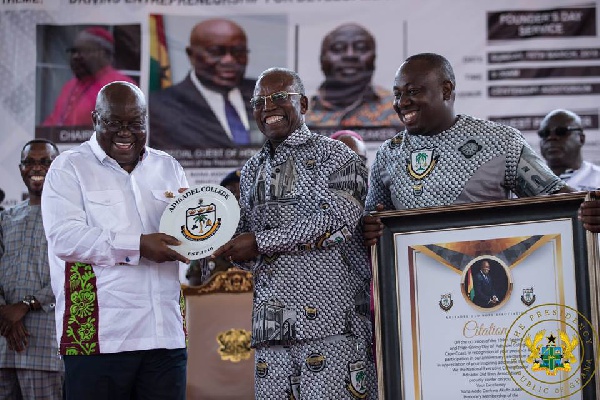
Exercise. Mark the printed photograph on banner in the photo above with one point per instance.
(340, 60)
(73, 63)
(202, 77)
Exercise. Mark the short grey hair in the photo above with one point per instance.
(297, 84)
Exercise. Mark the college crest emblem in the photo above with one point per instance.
(422, 162)
(201, 222)
(357, 385)
(528, 297)
(446, 302)
(551, 358)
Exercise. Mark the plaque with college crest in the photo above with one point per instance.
(490, 300)
(203, 218)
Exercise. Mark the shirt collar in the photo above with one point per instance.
(296, 138)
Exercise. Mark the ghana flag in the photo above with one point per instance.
(470, 288)
(160, 69)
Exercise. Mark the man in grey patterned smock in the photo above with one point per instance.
(443, 158)
(301, 201)
(30, 367)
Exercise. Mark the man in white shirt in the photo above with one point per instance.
(118, 319)
(210, 107)
(561, 138)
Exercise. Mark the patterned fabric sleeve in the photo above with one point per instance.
(532, 177)
(379, 190)
(340, 207)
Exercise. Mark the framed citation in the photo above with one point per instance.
(491, 300)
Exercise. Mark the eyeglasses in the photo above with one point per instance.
(278, 99)
(134, 127)
(30, 163)
(560, 131)
(217, 52)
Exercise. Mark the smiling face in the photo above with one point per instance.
(348, 54)
(423, 99)
(485, 267)
(218, 53)
(562, 152)
(122, 102)
(35, 161)
(278, 121)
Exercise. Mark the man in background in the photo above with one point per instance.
(347, 98)
(210, 107)
(116, 280)
(90, 58)
(561, 139)
(30, 367)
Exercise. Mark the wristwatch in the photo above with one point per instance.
(31, 302)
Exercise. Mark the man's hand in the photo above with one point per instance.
(13, 312)
(241, 248)
(17, 337)
(372, 227)
(154, 247)
(589, 214)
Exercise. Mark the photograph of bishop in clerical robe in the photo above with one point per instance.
(486, 283)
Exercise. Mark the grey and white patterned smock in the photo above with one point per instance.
(474, 160)
(304, 204)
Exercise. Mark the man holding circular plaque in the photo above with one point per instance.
(116, 280)
(301, 199)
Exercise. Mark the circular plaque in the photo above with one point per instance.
(203, 218)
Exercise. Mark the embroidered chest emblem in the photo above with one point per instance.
(470, 148)
(422, 162)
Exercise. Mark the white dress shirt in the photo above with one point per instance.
(586, 178)
(94, 213)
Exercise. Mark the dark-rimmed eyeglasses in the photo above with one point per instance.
(30, 163)
(215, 52)
(115, 126)
(560, 131)
(278, 99)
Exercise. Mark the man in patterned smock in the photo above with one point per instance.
(301, 201)
(30, 367)
(442, 158)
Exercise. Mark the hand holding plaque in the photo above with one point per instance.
(202, 218)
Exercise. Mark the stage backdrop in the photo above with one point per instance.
(514, 61)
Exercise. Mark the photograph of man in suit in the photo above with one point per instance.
(489, 292)
(210, 107)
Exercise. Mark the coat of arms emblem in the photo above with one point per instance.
(528, 296)
(551, 358)
(446, 302)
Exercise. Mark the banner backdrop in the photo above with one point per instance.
(513, 64)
